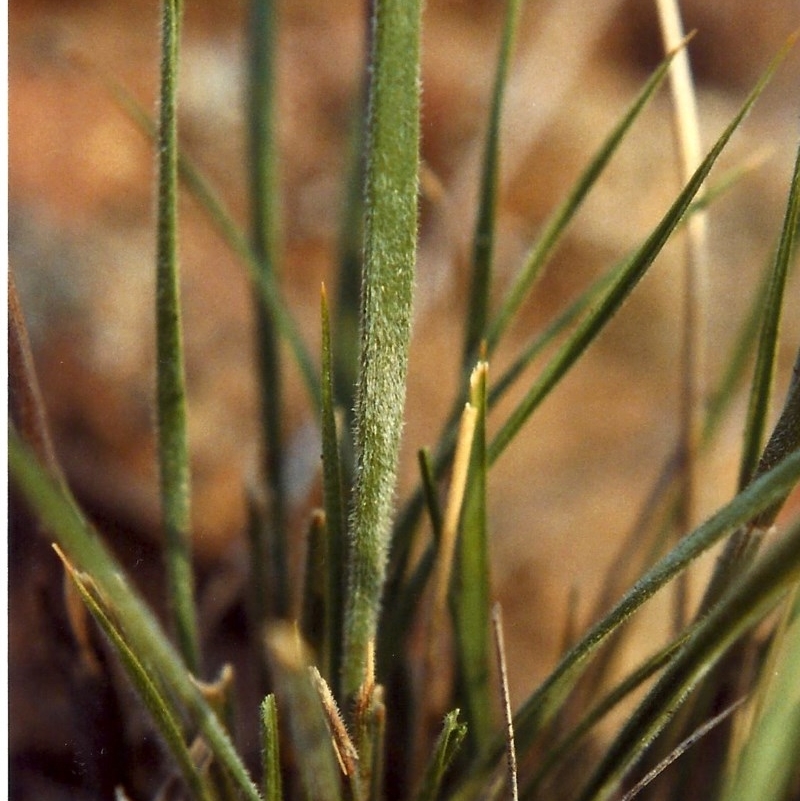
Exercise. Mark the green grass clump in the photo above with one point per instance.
(350, 700)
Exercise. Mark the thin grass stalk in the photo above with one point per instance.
(785, 441)
(25, 405)
(561, 217)
(483, 243)
(566, 747)
(763, 378)
(748, 602)
(452, 515)
(169, 726)
(59, 513)
(681, 749)
(686, 125)
(544, 704)
(265, 285)
(625, 282)
(389, 255)
(173, 450)
(262, 36)
(336, 529)
(505, 699)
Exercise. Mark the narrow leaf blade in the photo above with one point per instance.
(621, 288)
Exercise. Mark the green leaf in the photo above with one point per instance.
(565, 748)
(558, 221)
(200, 187)
(389, 256)
(742, 547)
(621, 288)
(470, 583)
(62, 518)
(544, 704)
(761, 386)
(173, 452)
(264, 202)
(748, 601)
(167, 719)
(447, 745)
(483, 244)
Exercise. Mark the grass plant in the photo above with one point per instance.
(345, 706)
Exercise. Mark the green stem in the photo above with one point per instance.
(483, 246)
(264, 237)
(171, 395)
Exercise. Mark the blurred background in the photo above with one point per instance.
(81, 210)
